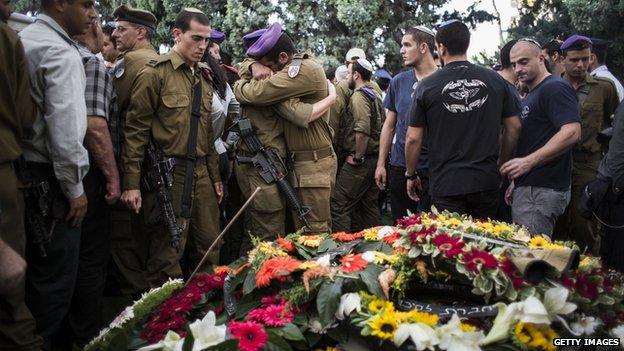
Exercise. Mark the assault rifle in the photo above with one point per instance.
(38, 201)
(157, 176)
(266, 161)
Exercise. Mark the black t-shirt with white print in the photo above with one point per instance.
(462, 107)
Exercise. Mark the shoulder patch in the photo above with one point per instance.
(295, 66)
(120, 68)
(152, 63)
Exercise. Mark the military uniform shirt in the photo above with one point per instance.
(367, 117)
(17, 111)
(308, 84)
(161, 103)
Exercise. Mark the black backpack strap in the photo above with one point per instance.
(191, 153)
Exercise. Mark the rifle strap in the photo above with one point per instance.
(191, 153)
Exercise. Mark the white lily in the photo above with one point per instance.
(324, 261)
(618, 332)
(453, 338)
(506, 316)
(206, 332)
(422, 335)
(586, 325)
(533, 311)
(369, 256)
(171, 342)
(384, 232)
(555, 302)
(349, 302)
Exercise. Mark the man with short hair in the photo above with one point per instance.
(129, 241)
(355, 185)
(55, 153)
(417, 48)
(463, 107)
(109, 47)
(161, 106)
(506, 71)
(597, 102)
(101, 185)
(341, 74)
(598, 64)
(552, 51)
(542, 170)
(17, 114)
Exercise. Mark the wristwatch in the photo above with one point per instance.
(411, 177)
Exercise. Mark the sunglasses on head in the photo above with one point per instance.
(530, 40)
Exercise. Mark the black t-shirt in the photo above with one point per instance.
(545, 109)
(462, 106)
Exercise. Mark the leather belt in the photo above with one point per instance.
(302, 156)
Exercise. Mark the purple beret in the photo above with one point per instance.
(251, 38)
(216, 36)
(266, 42)
(574, 40)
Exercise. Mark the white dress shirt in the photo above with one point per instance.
(603, 71)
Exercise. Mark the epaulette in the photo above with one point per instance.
(606, 80)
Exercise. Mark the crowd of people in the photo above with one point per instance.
(121, 166)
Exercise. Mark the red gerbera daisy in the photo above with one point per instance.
(586, 287)
(419, 236)
(353, 263)
(272, 315)
(448, 245)
(406, 222)
(476, 259)
(511, 272)
(251, 335)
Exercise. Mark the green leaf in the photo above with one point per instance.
(327, 244)
(340, 333)
(303, 252)
(313, 338)
(276, 342)
(327, 301)
(368, 246)
(189, 340)
(244, 308)
(250, 282)
(370, 277)
(292, 332)
(119, 341)
(228, 345)
(385, 248)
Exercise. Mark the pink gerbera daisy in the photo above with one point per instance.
(251, 335)
(476, 259)
(448, 246)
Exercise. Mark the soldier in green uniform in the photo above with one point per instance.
(355, 186)
(17, 114)
(308, 142)
(160, 107)
(132, 35)
(597, 103)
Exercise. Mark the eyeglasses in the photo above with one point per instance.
(445, 23)
(532, 41)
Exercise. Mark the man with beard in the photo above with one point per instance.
(542, 170)
(355, 186)
(163, 102)
(462, 106)
(417, 48)
(597, 102)
(554, 57)
(132, 35)
(308, 142)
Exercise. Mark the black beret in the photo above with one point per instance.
(142, 17)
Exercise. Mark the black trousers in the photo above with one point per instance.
(613, 239)
(85, 314)
(483, 204)
(399, 201)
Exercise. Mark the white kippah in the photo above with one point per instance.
(425, 30)
(355, 52)
(364, 63)
(341, 73)
(193, 9)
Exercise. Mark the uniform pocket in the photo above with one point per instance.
(314, 181)
(268, 199)
(175, 100)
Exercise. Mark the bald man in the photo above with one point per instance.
(541, 173)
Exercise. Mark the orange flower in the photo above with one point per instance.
(390, 239)
(276, 268)
(222, 269)
(286, 244)
(344, 236)
(353, 263)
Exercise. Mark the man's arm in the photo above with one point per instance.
(568, 135)
(385, 143)
(361, 109)
(302, 114)
(511, 133)
(413, 145)
(98, 141)
(279, 87)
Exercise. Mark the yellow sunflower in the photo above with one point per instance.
(384, 325)
(378, 305)
(370, 234)
(521, 334)
(415, 316)
(538, 242)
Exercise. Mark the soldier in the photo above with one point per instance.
(132, 36)
(55, 154)
(356, 181)
(17, 114)
(597, 99)
(163, 98)
(296, 75)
